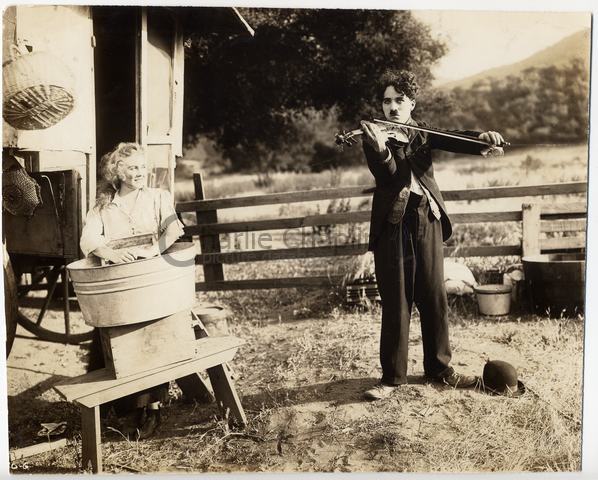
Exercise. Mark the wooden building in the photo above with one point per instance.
(126, 64)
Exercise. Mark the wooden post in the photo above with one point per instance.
(193, 386)
(530, 244)
(91, 448)
(213, 272)
(226, 395)
(66, 300)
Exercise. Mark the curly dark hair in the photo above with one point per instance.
(403, 81)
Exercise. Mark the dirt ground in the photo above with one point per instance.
(301, 382)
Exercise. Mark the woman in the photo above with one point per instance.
(126, 207)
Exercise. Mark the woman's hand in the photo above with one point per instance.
(374, 136)
(120, 256)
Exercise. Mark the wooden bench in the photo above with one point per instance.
(93, 389)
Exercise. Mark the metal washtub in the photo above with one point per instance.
(128, 293)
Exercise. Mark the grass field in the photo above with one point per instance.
(301, 383)
(308, 359)
(525, 166)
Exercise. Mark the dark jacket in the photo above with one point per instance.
(391, 179)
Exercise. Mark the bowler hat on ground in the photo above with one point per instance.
(500, 378)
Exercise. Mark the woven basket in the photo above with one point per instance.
(38, 90)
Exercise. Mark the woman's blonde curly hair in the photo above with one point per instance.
(110, 166)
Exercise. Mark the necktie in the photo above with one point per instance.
(404, 170)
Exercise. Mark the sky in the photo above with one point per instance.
(478, 41)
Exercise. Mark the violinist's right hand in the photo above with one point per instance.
(374, 136)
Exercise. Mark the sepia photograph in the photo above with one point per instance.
(283, 240)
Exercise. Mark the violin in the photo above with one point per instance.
(395, 130)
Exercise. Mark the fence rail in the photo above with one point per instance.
(536, 219)
(365, 190)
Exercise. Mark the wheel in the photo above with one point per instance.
(10, 304)
(51, 336)
(34, 305)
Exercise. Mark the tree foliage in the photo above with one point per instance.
(274, 101)
(541, 105)
(254, 95)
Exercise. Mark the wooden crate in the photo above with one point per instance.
(130, 349)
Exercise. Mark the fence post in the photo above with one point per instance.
(530, 227)
(213, 272)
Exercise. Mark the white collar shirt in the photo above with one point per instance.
(152, 211)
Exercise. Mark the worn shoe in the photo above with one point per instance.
(379, 391)
(151, 422)
(458, 380)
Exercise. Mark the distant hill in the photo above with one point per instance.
(573, 46)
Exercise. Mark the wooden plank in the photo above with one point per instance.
(483, 251)
(181, 369)
(570, 225)
(563, 243)
(334, 280)
(147, 345)
(365, 190)
(565, 188)
(99, 381)
(131, 241)
(226, 394)
(91, 441)
(266, 283)
(83, 385)
(178, 89)
(279, 223)
(342, 250)
(209, 243)
(141, 79)
(194, 387)
(574, 208)
(26, 452)
(360, 216)
(275, 198)
(282, 254)
(65, 300)
(530, 229)
(486, 217)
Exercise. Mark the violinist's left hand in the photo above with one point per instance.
(493, 138)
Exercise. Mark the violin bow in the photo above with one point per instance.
(440, 132)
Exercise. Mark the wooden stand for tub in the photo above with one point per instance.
(93, 389)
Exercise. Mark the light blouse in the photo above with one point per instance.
(152, 212)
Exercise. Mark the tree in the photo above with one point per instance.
(539, 105)
(246, 93)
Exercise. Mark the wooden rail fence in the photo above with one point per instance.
(536, 219)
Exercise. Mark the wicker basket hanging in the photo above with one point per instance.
(38, 90)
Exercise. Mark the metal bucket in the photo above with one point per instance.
(134, 292)
(556, 283)
(214, 318)
(493, 299)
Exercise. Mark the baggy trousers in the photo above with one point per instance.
(409, 265)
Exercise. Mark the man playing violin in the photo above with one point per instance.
(409, 224)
